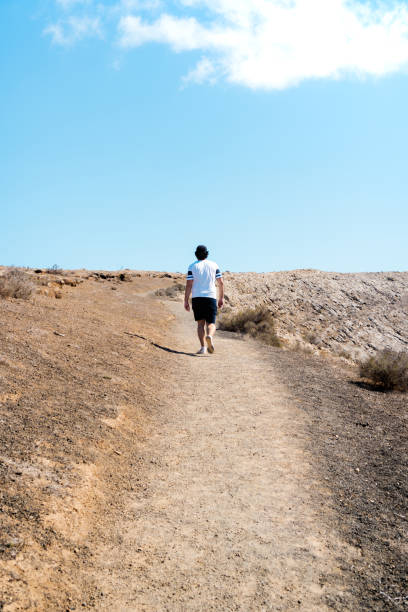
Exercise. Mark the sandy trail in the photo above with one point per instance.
(227, 513)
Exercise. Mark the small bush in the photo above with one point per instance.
(55, 269)
(344, 354)
(17, 284)
(125, 277)
(256, 322)
(313, 338)
(387, 368)
(171, 292)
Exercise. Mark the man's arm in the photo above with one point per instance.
(220, 292)
(187, 293)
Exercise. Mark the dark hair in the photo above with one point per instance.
(201, 252)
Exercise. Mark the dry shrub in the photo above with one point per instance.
(171, 292)
(55, 269)
(125, 277)
(301, 347)
(313, 338)
(387, 368)
(17, 284)
(256, 322)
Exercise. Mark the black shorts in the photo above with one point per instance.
(204, 309)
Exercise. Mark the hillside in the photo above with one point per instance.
(68, 375)
(349, 315)
(138, 476)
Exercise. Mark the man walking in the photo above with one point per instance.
(202, 277)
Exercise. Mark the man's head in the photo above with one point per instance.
(201, 252)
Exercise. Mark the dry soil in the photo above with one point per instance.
(138, 476)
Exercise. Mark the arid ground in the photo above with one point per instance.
(138, 476)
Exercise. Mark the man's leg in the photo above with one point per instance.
(209, 337)
(201, 331)
(210, 329)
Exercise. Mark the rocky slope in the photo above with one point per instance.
(350, 315)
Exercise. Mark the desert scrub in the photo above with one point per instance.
(55, 269)
(256, 322)
(387, 368)
(313, 338)
(172, 292)
(16, 284)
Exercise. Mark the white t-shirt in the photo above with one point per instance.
(203, 274)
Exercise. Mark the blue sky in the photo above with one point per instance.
(132, 131)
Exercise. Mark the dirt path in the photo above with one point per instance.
(227, 512)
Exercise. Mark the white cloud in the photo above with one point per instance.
(273, 44)
(89, 18)
(72, 29)
(267, 44)
(181, 34)
(204, 71)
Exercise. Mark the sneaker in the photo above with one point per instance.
(202, 351)
(210, 344)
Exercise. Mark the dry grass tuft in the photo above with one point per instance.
(171, 292)
(16, 284)
(387, 368)
(55, 269)
(256, 322)
(313, 338)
